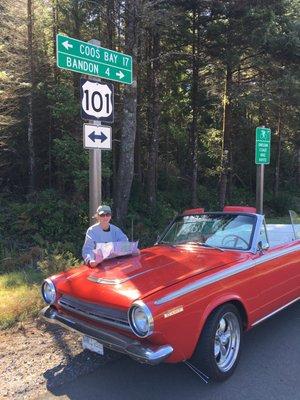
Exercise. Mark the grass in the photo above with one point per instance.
(20, 296)
(21, 276)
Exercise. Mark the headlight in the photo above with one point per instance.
(140, 319)
(49, 291)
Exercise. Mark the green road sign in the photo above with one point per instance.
(262, 145)
(86, 58)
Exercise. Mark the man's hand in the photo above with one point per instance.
(92, 264)
(96, 261)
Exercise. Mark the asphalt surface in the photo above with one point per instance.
(269, 369)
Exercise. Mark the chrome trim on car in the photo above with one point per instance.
(105, 281)
(275, 312)
(256, 234)
(144, 353)
(224, 274)
(95, 312)
(142, 305)
(115, 281)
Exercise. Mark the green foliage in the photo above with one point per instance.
(242, 196)
(47, 218)
(54, 262)
(19, 260)
(25, 277)
(73, 163)
(64, 106)
(281, 204)
(144, 224)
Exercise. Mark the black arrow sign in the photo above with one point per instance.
(94, 137)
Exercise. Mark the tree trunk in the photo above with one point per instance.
(153, 117)
(194, 124)
(110, 6)
(110, 43)
(277, 166)
(54, 33)
(139, 126)
(30, 139)
(298, 162)
(55, 71)
(76, 35)
(126, 158)
(225, 157)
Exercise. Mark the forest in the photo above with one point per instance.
(206, 74)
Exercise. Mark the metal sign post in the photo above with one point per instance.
(260, 173)
(262, 157)
(95, 172)
(94, 182)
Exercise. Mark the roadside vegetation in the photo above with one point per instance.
(20, 299)
(22, 271)
(206, 74)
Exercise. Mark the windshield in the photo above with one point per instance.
(229, 231)
(295, 219)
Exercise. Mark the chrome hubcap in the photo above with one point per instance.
(227, 341)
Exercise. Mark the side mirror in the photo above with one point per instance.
(261, 247)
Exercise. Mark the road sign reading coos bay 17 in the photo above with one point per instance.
(86, 58)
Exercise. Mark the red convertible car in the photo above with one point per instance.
(210, 277)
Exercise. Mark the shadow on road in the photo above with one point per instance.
(269, 368)
(73, 365)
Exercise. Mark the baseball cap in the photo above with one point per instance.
(103, 210)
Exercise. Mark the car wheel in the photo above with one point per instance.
(218, 349)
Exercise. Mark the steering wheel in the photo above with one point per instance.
(235, 239)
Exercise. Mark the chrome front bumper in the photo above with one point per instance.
(145, 354)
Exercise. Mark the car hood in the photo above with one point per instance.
(122, 280)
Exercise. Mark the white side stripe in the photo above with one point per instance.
(225, 274)
(275, 312)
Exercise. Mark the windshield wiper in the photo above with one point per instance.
(167, 243)
(206, 245)
(211, 246)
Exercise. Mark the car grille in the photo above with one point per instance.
(105, 315)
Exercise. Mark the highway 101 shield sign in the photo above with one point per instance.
(89, 59)
(262, 145)
(97, 100)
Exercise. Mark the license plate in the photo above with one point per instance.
(92, 345)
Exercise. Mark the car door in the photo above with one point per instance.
(277, 272)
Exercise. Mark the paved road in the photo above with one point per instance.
(269, 370)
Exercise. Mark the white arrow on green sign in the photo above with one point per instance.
(262, 145)
(86, 58)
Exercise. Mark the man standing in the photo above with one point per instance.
(101, 232)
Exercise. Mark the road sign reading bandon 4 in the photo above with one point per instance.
(86, 58)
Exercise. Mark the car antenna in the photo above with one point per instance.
(132, 229)
(197, 371)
